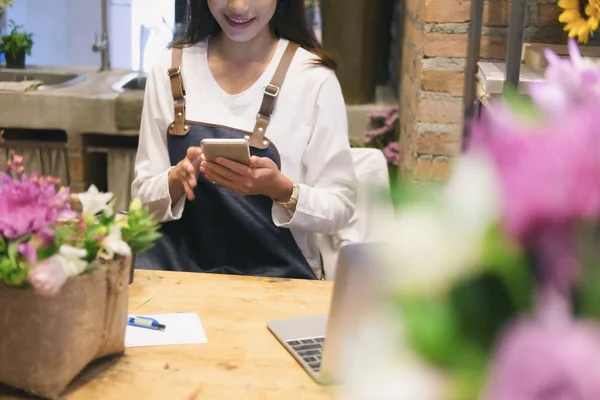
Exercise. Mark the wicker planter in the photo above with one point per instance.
(46, 342)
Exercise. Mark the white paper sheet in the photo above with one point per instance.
(181, 328)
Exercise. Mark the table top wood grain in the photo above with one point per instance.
(242, 359)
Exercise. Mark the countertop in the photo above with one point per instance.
(242, 359)
(93, 107)
(88, 106)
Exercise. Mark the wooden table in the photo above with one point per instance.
(242, 359)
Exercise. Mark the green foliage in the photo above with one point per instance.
(522, 105)
(586, 296)
(16, 41)
(13, 270)
(141, 230)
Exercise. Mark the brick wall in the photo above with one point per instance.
(433, 61)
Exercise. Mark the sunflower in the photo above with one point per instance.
(581, 17)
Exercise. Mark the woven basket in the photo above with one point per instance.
(46, 342)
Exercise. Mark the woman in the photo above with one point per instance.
(238, 72)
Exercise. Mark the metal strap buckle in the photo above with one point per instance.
(274, 88)
(174, 73)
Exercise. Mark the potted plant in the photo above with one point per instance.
(64, 268)
(16, 45)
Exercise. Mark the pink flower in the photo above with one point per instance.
(569, 83)
(550, 179)
(27, 250)
(550, 172)
(392, 153)
(538, 361)
(30, 204)
(384, 122)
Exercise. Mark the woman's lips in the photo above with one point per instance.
(239, 23)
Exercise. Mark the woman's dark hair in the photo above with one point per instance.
(289, 22)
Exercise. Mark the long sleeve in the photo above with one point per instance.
(152, 162)
(327, 195)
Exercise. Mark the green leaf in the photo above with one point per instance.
(586, 295)
(2, 245)
(16, 41)
(522, 105)
(483, 307)
(506, 259)
(13, 273)
(13, 247)
(92, 247)
(432, 329)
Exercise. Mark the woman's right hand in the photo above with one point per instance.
(183, 178)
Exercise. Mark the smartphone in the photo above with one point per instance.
(236, 150)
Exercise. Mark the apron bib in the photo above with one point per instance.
(220, 231)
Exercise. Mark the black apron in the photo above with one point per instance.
(220, 231)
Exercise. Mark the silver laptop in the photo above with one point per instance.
(316, 342)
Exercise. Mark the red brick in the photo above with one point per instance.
(495, 13)
(411, 62)
(455, 45)
(548, 14)
(451, 82)
(438, 144)
(441, 167)
(433, 109)
(433, 169)
(413, 7)
(413, 34)
(422, 168)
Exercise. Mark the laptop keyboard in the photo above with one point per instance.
(310, 350)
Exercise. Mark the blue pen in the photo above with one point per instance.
(145, 322)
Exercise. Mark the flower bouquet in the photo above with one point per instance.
(63, 278)
(382, 135)
(492, 285)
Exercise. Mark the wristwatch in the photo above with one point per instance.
(291, 203)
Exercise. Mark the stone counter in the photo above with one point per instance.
(88, 106)
(92, 107)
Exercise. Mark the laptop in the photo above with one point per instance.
(317, 342)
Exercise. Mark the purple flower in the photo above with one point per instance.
(550, 179)
(392, 153)
(550, 172)
(569, 83)
(384, 122)
(27, 250)
(540, 361)
(29, 204)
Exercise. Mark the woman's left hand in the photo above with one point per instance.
(261, 177)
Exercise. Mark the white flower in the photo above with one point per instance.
(114, 244)
(93, 201)
(472, 195)
(433, 245)
(72, 259)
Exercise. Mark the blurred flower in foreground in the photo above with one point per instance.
(547, 362)
(550, 178)
(433, 243)
(569, 84)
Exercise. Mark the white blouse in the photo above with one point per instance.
(309, 127)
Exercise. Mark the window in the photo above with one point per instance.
(152, 26)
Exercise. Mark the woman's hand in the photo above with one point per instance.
(261, 177)
(183, 178)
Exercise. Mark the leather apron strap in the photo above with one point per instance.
(271, 91)
(178, 127)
